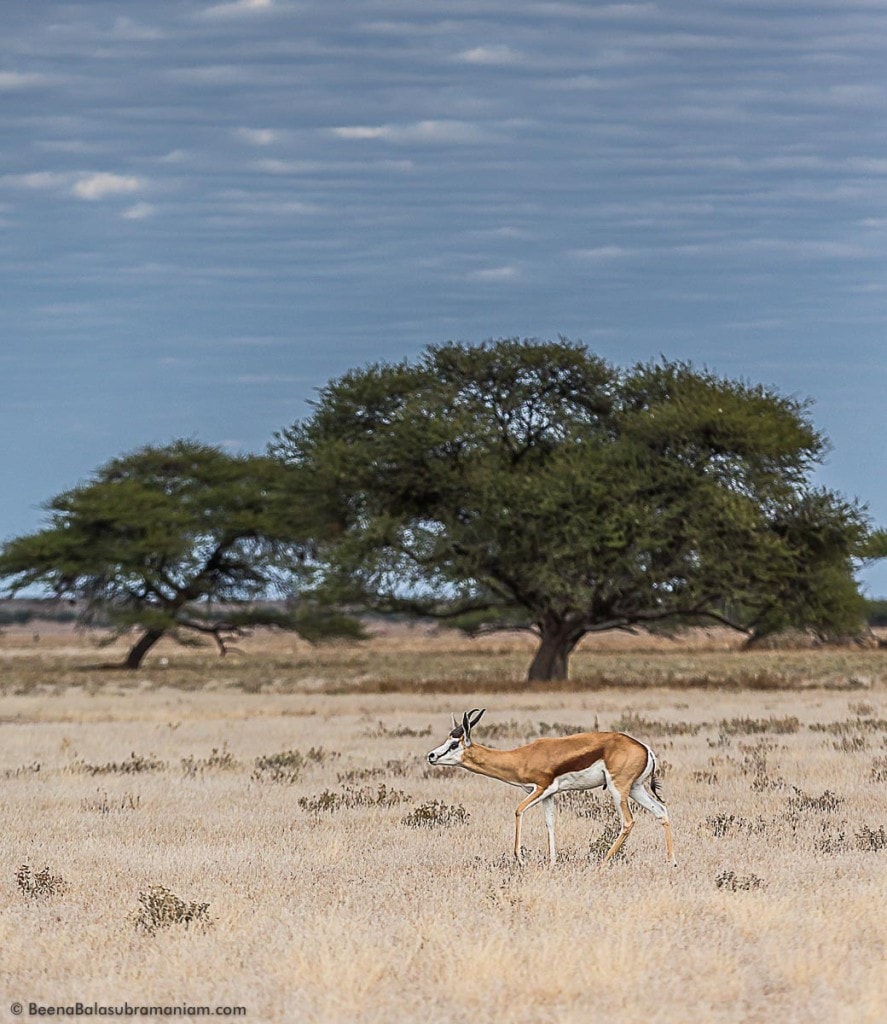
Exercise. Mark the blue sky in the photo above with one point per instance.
(208, 210)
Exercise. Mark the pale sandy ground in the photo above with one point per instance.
(355, 916)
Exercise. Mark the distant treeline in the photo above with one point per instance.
(876, 611)
(20, 612)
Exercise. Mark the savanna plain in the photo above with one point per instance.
(263, 831)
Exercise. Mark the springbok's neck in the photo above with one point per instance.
(497, 764)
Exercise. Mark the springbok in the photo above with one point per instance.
(587, 760)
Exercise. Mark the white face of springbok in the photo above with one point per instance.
(454, 746)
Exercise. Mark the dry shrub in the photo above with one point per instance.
(102, 803)
(161, 908)
(871, 839)
(133, 765)
(723, 825)
(221, 759)
(22, 770)
(637, 725)
(39, 884)
(330, 802)
(436, 814)
(381, 731)
(755, 726)
(286, 767)
(732, 882)
(825, 803)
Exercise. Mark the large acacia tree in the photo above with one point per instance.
(174, 541)
(532, 485)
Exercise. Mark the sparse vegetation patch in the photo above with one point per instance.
(132, 765)
(160, 908)
(753, 726)
(732, 882)
(330, 802)
(221, 759)
(39, 884)
(286, 767)
(436, 814)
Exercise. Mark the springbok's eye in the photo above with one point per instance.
(453, 746)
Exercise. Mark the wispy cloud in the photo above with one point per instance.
(604, 253)
(16, 81)
(88, 185)
(103, 184)
(139, 211)
(495, 55)
(236, 9)
(504, 273)
(134, 31)
(431, 131)
(257, 136)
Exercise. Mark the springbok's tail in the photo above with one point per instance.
(654, 779)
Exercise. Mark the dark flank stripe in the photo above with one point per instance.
(582, 761)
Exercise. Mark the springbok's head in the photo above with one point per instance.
(451, 750)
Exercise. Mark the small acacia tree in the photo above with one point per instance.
(531, 485)
(174, 541)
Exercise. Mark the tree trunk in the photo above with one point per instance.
(551, 660)
(140, 649)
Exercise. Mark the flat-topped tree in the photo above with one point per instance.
(532, 485)
(172, 541)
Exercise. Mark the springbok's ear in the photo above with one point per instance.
(455, 723)
(466, 728)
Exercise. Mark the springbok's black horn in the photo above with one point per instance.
(477, 717)
(469, 720)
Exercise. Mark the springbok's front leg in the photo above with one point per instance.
(524, 805)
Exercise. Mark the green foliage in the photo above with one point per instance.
(180, 540)
(876, 612)
(531, 485)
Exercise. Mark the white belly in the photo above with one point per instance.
(592, 777)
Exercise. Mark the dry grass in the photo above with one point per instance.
(393, 898)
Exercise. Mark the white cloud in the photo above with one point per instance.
(139, 211)
(604, 253)
(362, 132)
(236, 9)
(102, 184)
(257, 136)
(433, 131)
(40, 180)
(214, 74)
(506, 273)
(12, 81)
(134, 31)
(496, 55)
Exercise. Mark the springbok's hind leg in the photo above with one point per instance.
(620, 801)
(548, 808)
(640, 795)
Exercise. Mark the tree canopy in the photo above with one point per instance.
(173, 541)
(532, 485)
